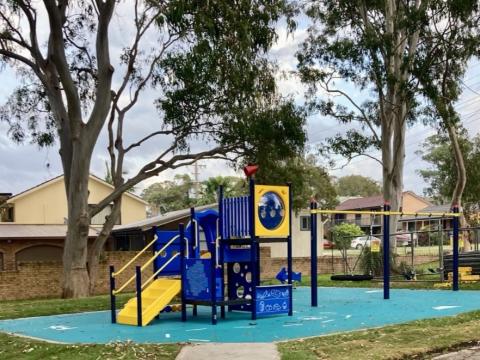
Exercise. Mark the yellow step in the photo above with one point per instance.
(470, 277)
(155, 297)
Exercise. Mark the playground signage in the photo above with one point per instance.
(375, 246)
(273, 300)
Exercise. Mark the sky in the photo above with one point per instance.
(25, 165)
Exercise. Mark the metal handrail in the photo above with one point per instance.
(195, 229)
(155, 238)
(216, 251)
(160, 270)
(157, 253)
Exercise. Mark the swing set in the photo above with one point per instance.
(385, 213)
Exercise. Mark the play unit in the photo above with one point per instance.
(214, 261)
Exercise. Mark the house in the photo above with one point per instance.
(434, 222)
(300, 238)
(33, 226)
(411, 202)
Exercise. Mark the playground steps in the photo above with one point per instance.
(155, 297)
(464, 274)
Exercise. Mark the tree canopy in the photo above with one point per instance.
(207, 63)
(309, 180)
(441, 176)
(357, 185)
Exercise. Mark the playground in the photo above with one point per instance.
(206, 286)
(339, 309)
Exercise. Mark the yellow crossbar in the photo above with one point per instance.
(401, 213)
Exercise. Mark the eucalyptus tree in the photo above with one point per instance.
(361, 62)
(206, 61)
(452, 41)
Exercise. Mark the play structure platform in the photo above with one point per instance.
(190, 265)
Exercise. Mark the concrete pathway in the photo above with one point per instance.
(471, 353)
(230, 351)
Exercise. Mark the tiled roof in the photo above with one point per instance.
(33, 231)
(160, 219)
(370, 202)
(361, 203)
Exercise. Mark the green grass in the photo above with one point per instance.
(28, 308)
(13, 347)
(417, 339)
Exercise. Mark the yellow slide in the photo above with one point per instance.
(155, 297)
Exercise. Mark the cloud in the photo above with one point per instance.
(25, 165)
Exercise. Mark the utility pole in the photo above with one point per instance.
(196, 177)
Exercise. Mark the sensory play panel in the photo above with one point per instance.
(272, 211)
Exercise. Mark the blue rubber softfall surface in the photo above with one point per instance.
(340, 309)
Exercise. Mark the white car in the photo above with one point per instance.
(362, 241)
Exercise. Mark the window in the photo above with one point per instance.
(304, 223)
(6, 213)
(99, 219)
(358, 219)
(129, 242)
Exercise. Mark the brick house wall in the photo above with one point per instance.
(43, 279)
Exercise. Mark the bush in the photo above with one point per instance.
(343, 235)
(371, 262)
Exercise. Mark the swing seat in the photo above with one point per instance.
(351, 277)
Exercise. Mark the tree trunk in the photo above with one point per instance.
(461, 178)
(99, 243)
(75, 274)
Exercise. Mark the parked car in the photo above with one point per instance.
(362, 241)
(327, 244)
(403, 239)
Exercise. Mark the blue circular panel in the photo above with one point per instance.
(271, 210)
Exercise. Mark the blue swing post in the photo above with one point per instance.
(313, 256)
(386, 251)
(455, 248)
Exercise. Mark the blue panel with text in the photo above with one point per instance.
(273, 300)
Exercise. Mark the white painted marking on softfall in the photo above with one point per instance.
(286, 325)
(199, 340)
(167, 336)
(373, 291)
(327, 321)
(242, 327)
(308, 318)
(61, 327)
(445, 307)
(348, 316)
(200, 329)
